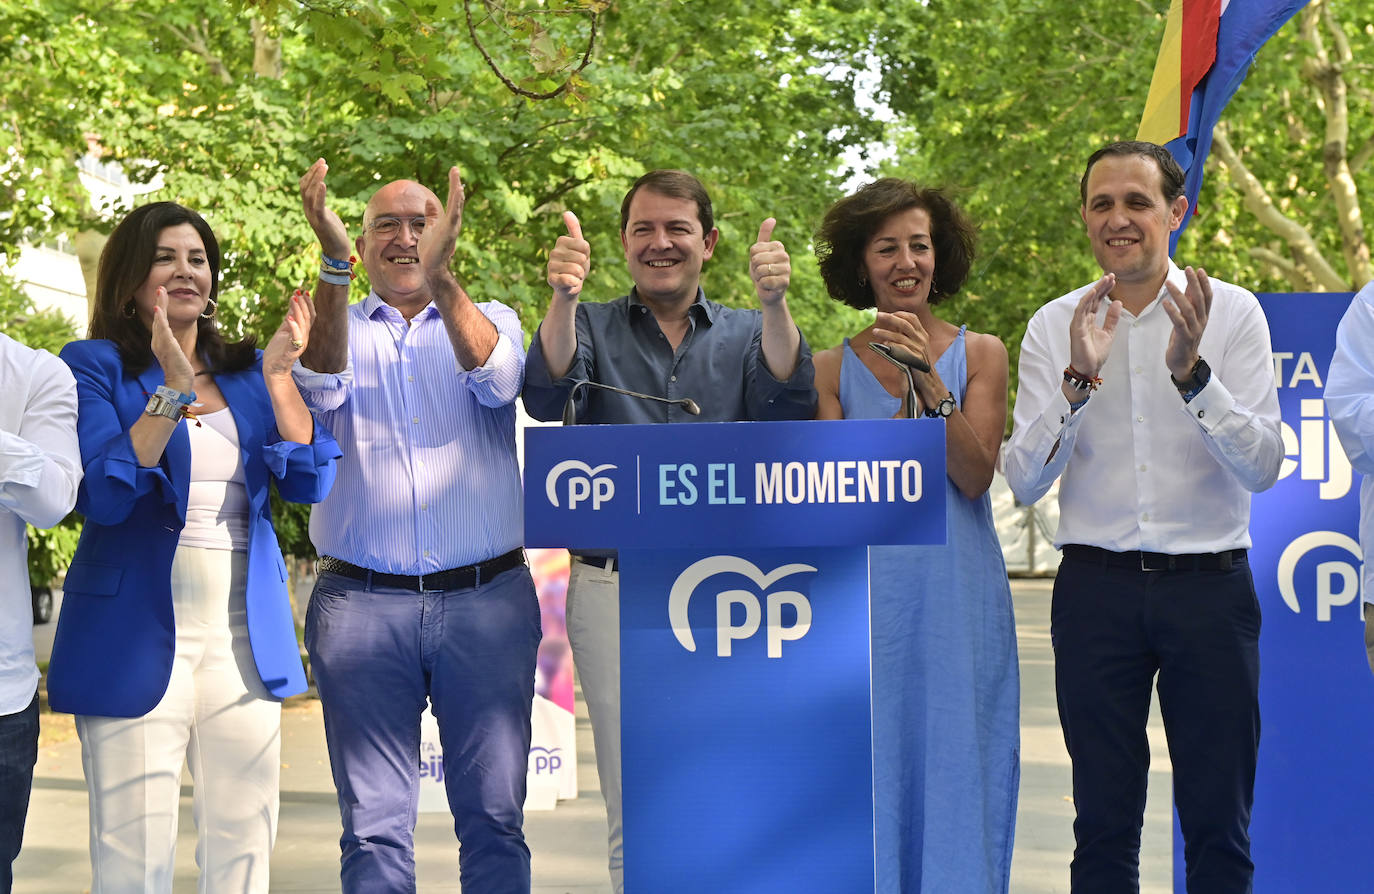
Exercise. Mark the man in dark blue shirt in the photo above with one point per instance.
(666, 339)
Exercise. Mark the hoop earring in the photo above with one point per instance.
(130, 310)
(211, 305)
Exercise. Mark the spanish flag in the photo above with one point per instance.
(1207, 49)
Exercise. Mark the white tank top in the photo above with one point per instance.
(217, 505)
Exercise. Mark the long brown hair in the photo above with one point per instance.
(124, 266)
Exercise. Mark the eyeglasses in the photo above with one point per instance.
(390, 227)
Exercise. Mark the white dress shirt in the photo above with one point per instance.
(1350, 401)
(428, 480)
(1140, 468)
(40, 468)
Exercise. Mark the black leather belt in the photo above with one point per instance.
(1142, 561)
(452, 579)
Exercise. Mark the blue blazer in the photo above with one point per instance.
(116, 635)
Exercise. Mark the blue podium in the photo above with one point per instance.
(745, 699)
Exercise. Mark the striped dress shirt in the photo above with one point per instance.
(429, 479)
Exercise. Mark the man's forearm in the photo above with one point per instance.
(781, 341)
(327, 351)
(472, 335)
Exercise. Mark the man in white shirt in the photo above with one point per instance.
(1350, 401)
(40, 467)
(1151, 395)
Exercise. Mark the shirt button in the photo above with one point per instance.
(424, 506)
(1142, 467)
(672, 378)
(1201, 413)
(426, 554)
(415, 419)
(661, 335)
(410, 378)
(1139, 370)
(1145, 516)
(1140, 419)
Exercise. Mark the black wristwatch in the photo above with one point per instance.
(1197, 379)
(943, 409)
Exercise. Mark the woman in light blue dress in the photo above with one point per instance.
(945, 680)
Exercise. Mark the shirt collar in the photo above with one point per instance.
(699, 309)
(374, 303)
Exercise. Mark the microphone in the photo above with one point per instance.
(688, 405)
(901, 355)
(905, 361)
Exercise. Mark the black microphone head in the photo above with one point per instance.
(690, 406)
(914, 361)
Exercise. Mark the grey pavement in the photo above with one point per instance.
(567, 843)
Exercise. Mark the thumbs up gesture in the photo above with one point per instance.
(570, 261)
(769, 265)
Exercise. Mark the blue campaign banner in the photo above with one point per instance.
(745, 721)
(761, 484)
(1313, 788)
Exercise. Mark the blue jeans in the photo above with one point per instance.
(376, 655)
(1113, 629)
(18, 754)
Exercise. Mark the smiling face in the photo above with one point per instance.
(665, 247)
(392, 263)
(899, 261)
(180, 266)
(1128, 219)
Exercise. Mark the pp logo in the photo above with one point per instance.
(680, 596)
(545, 760)
(581, 487)
(1328, 574)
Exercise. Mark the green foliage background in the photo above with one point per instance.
(777, 106)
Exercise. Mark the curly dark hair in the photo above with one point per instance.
(124, 265)
(850, 223)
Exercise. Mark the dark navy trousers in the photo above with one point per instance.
(377, 655)
(1114, 629)
(18, 754)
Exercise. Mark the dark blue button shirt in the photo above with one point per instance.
(719, 364)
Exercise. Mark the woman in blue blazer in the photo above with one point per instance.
(176, 640)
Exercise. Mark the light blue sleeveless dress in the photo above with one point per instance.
(946, 690)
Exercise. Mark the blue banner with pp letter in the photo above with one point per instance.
(843, 483)
(1313, 789)
(744, 705)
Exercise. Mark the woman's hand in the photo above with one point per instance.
(176, 366)
(291, 337)
(904, 329)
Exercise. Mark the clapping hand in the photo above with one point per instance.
(329, 229)
(290, 340)
(176, 366)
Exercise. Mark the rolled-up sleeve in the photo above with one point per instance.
(304, 472)
(770, 399)
(114, 481)
(323, 392)
(498, 381)
(40, 462)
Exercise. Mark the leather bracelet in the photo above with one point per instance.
(1079, 381)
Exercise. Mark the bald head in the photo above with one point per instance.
(392, 262)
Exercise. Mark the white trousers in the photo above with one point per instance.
(219, 719)
(593, 619)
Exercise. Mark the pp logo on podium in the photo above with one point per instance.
(587, 485)
(727, 632)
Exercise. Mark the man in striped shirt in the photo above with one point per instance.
(423, 592)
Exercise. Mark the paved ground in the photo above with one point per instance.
(567, 843)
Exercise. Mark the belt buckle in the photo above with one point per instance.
(1155, 562)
